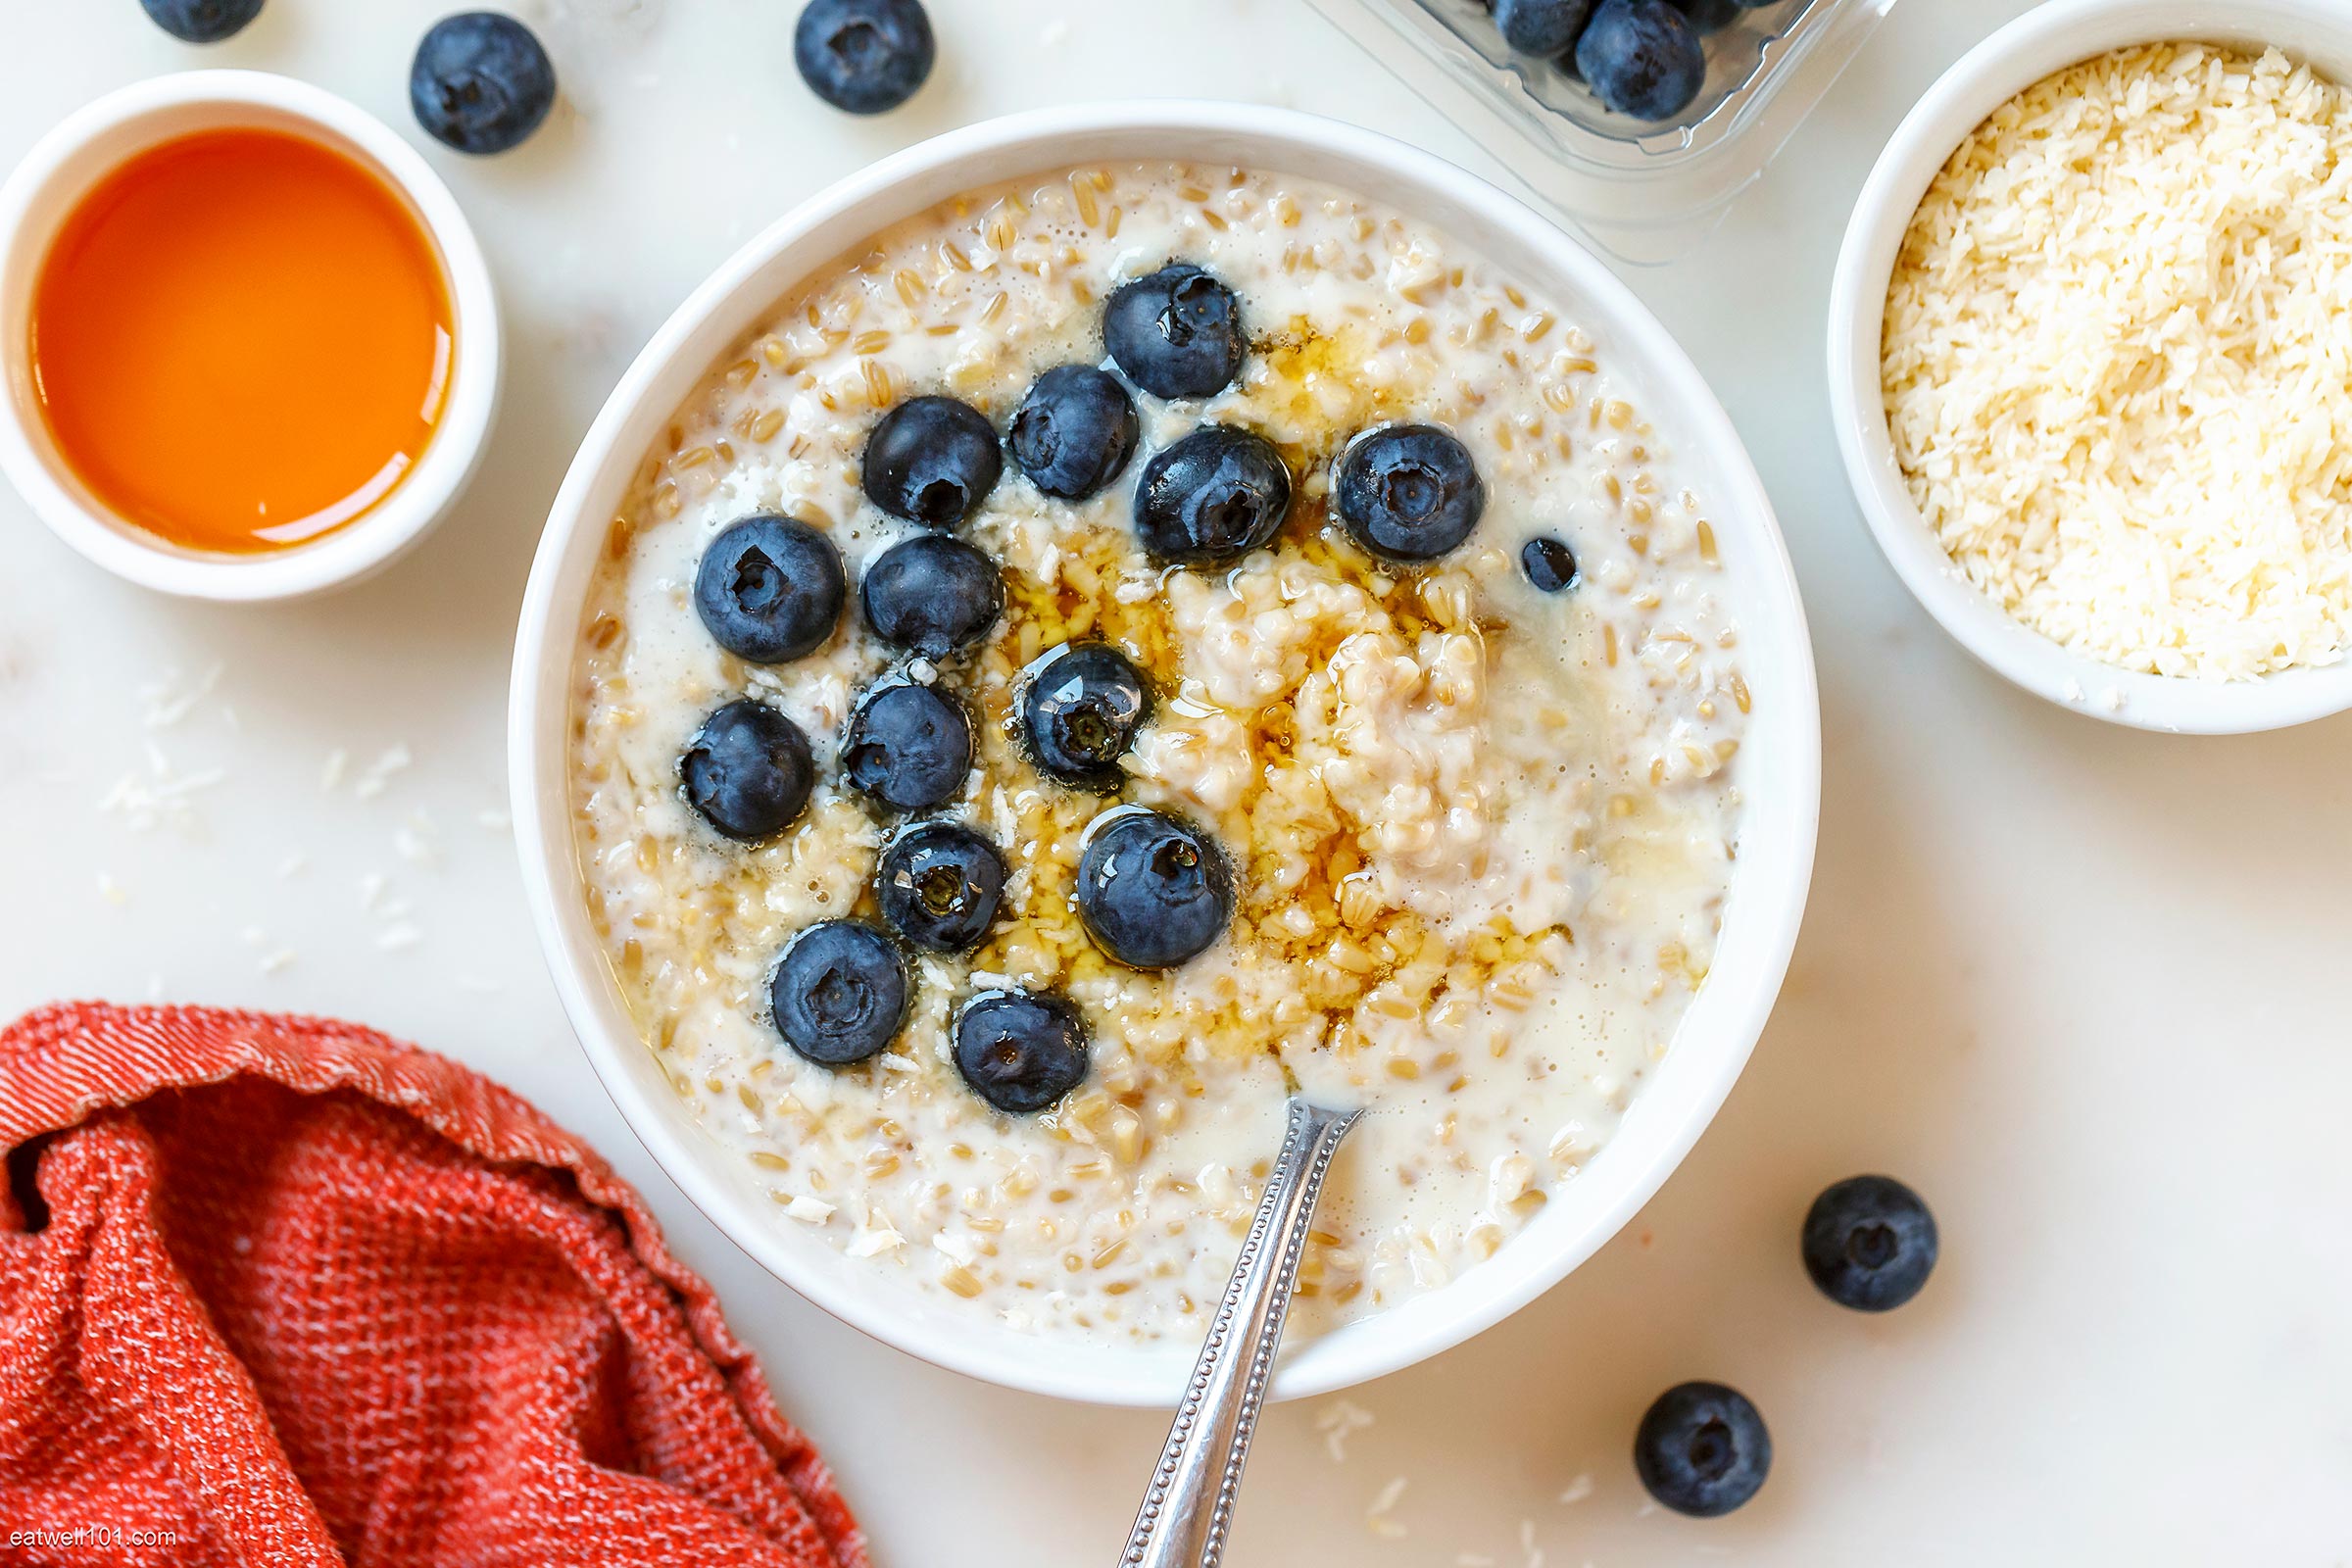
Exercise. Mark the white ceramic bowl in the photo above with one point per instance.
(1781, 757)
(2044, 41)
(96, 139)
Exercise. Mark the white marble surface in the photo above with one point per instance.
(2087, 989)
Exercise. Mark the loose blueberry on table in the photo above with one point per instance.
(863, 57)
(1870, 1243)
(1702, 1450)
(1176, 333)
(939, 885)
(932, 460)
(1408, 493)
(1549, 564)
(840, 993)
(748, 770)
(769, 588)
(1153, 890)
(202, 20)
(481, 83)
(1074, 432)
(1079, 708)
(1211, 498)
(1641, 58)
(909, 746)
(1020, 1051)
(931, 595)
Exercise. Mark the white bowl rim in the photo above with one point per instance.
(1784, 828)
(421, 498)
(2044, 41)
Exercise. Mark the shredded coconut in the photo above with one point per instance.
(2117, 360)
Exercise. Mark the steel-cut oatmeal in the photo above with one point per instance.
(1123, 644)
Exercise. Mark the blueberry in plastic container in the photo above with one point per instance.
(1641, 58)
(1544, 28)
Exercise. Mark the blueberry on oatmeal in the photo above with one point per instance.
(863, 57)
(931, 595)
(1549, 563)
(1408, 492)
(1212, 497)
(932, 460)
(1074, 432)
(908, 747)
(481, 83)
(769, 589)
(1020, 1051)
(939, 885)
(1176, 333)
(747, 771)
(840, 993)
(1153, 890)
(1079, 708)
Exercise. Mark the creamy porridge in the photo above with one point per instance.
(1449, 838)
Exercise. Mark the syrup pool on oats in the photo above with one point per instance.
(1217, 538)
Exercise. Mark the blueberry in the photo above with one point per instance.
(1549, 564)
(908, 747)
(1212, 497)
(1080, 707)
(769, 588)
(839, 993)
(1641, 58)
(931, 595)
(1177, 333)
(1153, 890)
(1702, 1450)
(1870, 1243)
(1408, 492)
(202, 20)
(864, 56)
(1712, 15)
(481, 83)
(939, 885)
(1074, 431)
(748, 770)
(1544, 28)
(1020, 1052)
(932, 460)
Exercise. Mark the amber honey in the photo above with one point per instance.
(242, 340)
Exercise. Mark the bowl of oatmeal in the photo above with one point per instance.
(1117, 615)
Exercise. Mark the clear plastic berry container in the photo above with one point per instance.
(1647, 192)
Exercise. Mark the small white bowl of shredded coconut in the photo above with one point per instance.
(2090, 359)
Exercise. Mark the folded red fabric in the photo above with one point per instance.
(286, 1292)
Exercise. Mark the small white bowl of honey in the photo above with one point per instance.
(251, 345)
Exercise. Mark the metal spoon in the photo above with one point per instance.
(1187, 1511)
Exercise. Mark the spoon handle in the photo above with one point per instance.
(1187, 1511)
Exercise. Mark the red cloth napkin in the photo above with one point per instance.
(284, 1291)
